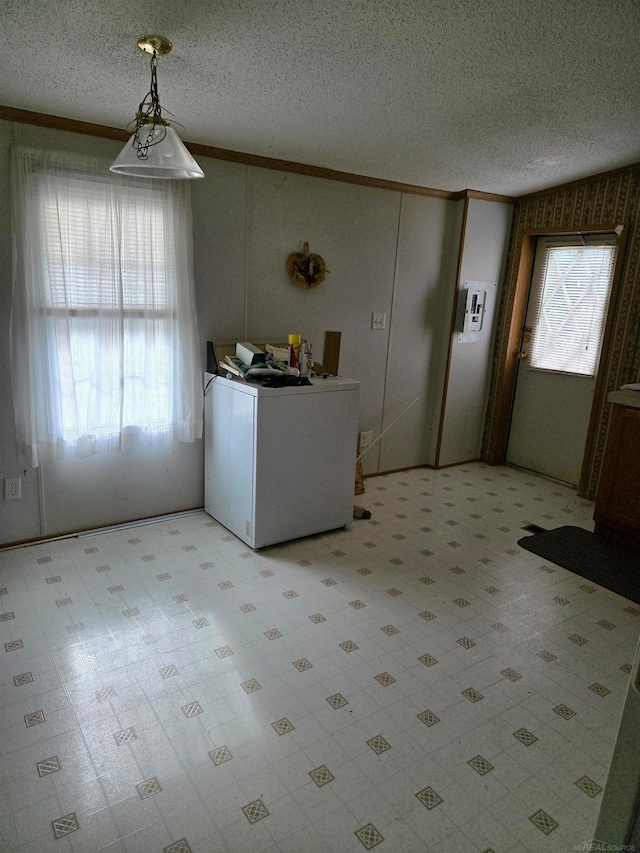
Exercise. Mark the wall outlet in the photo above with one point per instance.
(365, 439)
(378, 320)
(12, 488)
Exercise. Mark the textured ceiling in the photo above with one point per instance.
(504, 96)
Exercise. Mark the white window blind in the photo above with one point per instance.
(572, 305)
(104, 338)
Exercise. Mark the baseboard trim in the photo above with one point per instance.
(96, 531)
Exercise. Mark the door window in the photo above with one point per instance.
(571, 285)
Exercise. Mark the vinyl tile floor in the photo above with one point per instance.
(416, 682)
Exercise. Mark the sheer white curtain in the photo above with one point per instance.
(104, 342)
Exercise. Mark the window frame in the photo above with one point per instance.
(103, 282)
(49, 309)
(543, 244)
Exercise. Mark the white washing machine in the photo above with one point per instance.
(280, 462)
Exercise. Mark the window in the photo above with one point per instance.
(104, 340)
(574, 280)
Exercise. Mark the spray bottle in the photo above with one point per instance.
(305, 359)
(294, 350)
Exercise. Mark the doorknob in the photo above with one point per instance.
(523, 355)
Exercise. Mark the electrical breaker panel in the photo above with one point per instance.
(474, 310)
(477, 310)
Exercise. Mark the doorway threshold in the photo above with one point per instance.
(544, 476)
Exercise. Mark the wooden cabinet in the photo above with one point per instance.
(617, 509)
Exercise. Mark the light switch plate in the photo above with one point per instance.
(378, 320)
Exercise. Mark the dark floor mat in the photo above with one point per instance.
(591, 556)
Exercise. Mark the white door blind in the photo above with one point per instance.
(572, 306)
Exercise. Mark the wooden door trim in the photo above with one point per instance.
(508, 366)
(507, 370)
(600, 390)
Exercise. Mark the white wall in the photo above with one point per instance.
(484, 246)
(419, 334)
(386, 251)
(354, 229)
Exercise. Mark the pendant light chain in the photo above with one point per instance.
(150, 106)
(154, 149)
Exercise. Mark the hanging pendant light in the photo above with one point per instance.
(155, 149)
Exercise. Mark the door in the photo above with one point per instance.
(559, 354)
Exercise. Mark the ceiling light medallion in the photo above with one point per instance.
(155, 149)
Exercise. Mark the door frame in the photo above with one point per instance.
(507, 368)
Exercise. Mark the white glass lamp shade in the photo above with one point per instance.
(166, 159)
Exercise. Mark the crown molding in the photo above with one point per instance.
(197, 149)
